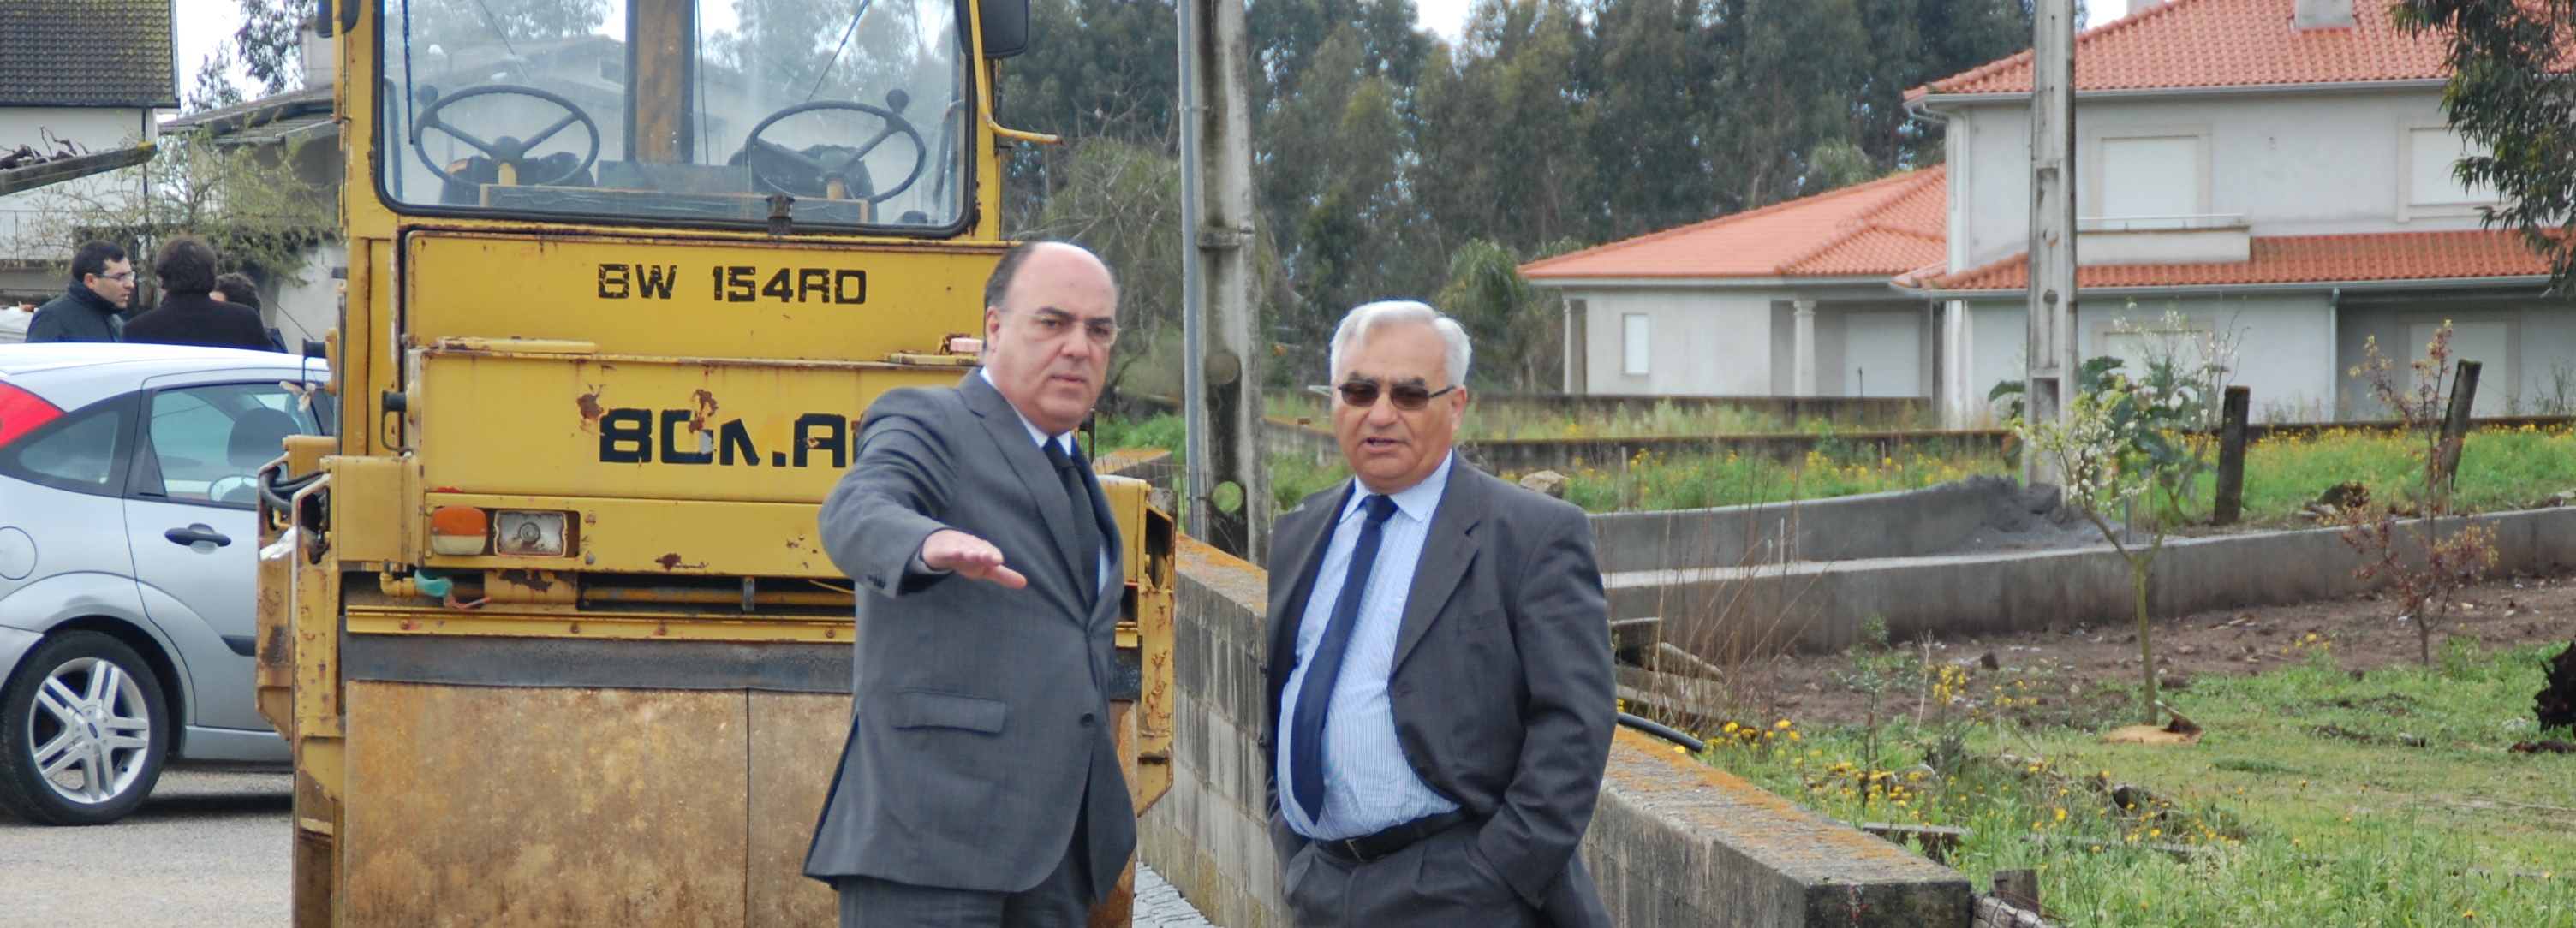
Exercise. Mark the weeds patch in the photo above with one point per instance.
(2280, 816)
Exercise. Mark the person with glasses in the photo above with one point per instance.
(102, 285)
(981, 784)
(1439, 687)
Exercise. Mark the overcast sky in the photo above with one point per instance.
(205, 25)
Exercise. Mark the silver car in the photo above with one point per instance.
(128, 564)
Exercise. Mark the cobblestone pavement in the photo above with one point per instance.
(209, 848)
(1158, 905)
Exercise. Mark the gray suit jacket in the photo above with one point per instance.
(1502, 689)
(980, 716)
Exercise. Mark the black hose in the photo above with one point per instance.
(1661, 730)
(280, 496)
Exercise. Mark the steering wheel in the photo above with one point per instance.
(506, 149)
(829, 163)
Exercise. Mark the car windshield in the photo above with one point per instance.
(688, 111)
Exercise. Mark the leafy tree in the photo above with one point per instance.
(1498, 123)
(2509, 94)
(1124, 202)
(1517, 328)
(1095, 69)
(465, 23)
(267, 46)
(2125, 455)
(1336, 186)
(261, 219)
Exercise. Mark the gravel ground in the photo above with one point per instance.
(209, 848)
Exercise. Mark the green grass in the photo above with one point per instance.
(2499, 468)
(1166, 431)
(1654, 482)
(2309, 807)
(1507, 423)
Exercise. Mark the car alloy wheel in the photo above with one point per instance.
(84, 733)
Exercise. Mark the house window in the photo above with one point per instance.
(1634, 344)
(2151, 176)
(2431, 154)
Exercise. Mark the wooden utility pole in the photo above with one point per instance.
(1228, 493)
(2229, 502)
(2455, 422)
(2049, 377)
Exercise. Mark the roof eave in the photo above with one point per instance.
(1642, 281)
(2322, 286)
(171, 103)
(1938, 99)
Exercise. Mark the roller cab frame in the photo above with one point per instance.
(548, 624)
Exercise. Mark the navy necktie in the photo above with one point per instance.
(1086, 524)
(1315, 695)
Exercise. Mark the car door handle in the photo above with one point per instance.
(196, 533)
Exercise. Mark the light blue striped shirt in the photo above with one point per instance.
(1368, 785)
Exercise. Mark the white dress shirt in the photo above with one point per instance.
(1081, 507)
(1368, 784)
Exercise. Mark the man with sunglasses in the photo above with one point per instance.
(1440, 693)
(102, 285)
(980, 785)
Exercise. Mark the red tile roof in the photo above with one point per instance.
(2285, 260)
(2223, 43)
(1886, 226)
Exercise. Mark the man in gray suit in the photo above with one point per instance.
(1439, 677)
(980, 784)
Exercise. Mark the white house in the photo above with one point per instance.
(1788, 300)
(96, 73)
(2275, 169)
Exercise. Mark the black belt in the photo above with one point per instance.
(1379, 846)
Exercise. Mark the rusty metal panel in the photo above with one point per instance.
(516, 806)
(742, 300)
(642, 427)
(663, 536)
(796, 743)
(369, 512)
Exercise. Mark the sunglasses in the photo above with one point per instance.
(1409, 397)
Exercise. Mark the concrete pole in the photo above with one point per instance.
(1802, 366)
(2050, 377)
(1229, 488)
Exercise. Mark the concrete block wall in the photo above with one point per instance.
(1209, 835)
(1820, 606)
(1674, 842)
(1902, 523)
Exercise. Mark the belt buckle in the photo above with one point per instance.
(1350, 847)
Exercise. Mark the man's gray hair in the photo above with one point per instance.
(1370, 317)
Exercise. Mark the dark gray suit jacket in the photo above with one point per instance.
(1502, 689)
(980, 715)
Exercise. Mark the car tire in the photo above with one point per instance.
(86, 706)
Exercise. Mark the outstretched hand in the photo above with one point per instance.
(957, 552)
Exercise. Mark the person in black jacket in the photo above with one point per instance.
(102, 284)
(186, 266)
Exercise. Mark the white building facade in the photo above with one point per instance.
(2285, 184)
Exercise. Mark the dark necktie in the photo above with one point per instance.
(1086, 523)
(1315, 695)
